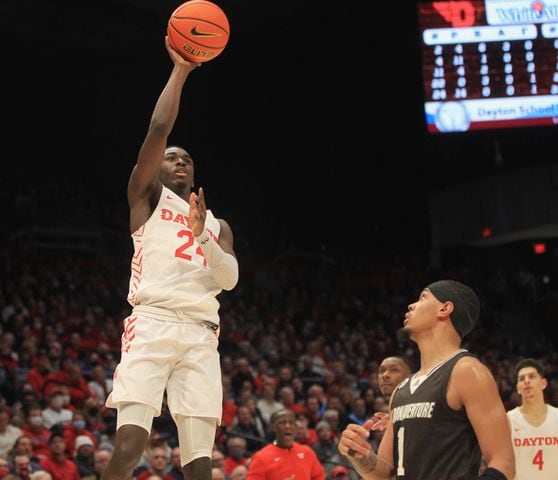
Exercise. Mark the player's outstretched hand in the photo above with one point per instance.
(198, 212)
(178, 59)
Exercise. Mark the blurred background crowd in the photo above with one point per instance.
(306, 328)
(325, 182)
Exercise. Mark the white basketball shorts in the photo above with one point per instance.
(173, 354)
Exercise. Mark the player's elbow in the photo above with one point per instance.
(230, 283)
(226, 274)
(159, 128)
(504, 465)
(510, 471)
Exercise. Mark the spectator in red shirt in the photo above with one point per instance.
(34, 429)
(287, 398)
(158, 463)
(37, 375)
(285, 458)
(229, 405)
(236, 454)
(339, 473)
(263, 376)
(57, 463)
(77, 427)
(74, 347)
(70, 379)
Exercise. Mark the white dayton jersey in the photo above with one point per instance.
(535, 448)
(169, 272)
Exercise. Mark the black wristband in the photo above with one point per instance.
(490, 473)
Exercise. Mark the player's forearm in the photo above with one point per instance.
(222, 266)
(499, 470)
(166, 109)
(372, 467)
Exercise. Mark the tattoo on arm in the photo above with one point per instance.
(366, 464)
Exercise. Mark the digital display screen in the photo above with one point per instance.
(489, 64)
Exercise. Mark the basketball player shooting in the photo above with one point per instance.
(183, 258)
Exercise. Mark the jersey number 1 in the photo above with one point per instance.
(400, 440)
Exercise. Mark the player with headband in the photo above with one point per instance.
(448, 414)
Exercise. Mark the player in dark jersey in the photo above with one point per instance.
(446, 415)
(392, 371)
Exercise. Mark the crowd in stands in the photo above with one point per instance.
(305, 331)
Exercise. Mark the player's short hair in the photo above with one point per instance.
(405, 361)
(529, 362)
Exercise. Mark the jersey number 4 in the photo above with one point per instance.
(538, 459)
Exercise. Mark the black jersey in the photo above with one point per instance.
(431, 441)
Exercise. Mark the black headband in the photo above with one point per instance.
(465, 303)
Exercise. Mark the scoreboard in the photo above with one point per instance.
(489, 64)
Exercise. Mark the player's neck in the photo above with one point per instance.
(431, 357)
(181, 191)
(533, 406)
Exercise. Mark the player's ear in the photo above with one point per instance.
(446, 309)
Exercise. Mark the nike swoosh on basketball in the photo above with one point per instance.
(197, 33)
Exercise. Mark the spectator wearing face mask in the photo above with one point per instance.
(236, 454)
(56, 413)
(77, 427)
(34, 429)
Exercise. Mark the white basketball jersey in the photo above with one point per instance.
(535, 448)
(168, 269)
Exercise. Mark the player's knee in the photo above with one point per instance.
(196, 436)
(137, 414)
(198, 468)
(129, 446)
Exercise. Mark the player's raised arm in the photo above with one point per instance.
(144, 180)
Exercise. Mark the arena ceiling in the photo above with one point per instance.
(124, 24)
(328, 96)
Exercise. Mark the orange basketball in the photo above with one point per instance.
(198, 30)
